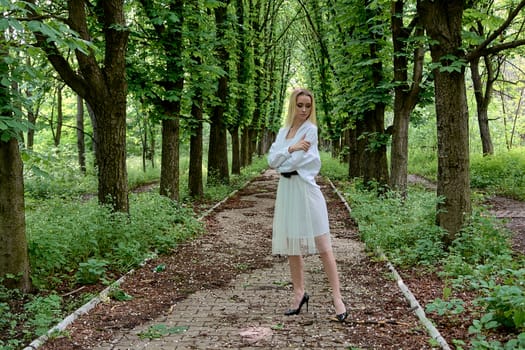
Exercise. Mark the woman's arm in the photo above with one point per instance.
(301, 159)
(278, 153)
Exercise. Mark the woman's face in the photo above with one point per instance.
(303, 107)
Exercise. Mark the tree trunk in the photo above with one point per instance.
(356, 149)
(169, 168)
(246, 147)
(13, 243)
(405, 97)
(60, 117)
(218, 171)
(442, 20)
(31, 118)
(195, 184)
(95, 132)
(374, 159)
(483, 101)
(236, 151)
(81, 144)
(14, 258)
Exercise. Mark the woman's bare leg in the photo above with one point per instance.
(297, 272)
(330, 268)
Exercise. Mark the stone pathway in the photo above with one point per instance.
(248, 313)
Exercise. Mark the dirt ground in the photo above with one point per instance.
(379, 315)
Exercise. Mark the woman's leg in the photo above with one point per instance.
(297, 272)
(330, 268)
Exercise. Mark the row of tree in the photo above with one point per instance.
(229, 64)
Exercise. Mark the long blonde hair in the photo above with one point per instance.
(292, 106)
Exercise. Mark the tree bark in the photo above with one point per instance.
(195, 184)
(60, 117)
(483, 101)
(246, 147)
(14, 258)
(356, 149)
(375, 159)
(236, 150)
(442, 20)
(81, 144)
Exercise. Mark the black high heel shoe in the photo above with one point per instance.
(341, 317)
(297, 311)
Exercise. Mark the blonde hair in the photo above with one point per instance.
(292, 106)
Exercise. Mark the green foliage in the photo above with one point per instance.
(88, 230)
(506, 305)
(403, 228)
(119, 295)
(480, 259)
(161, 330)
(442, 307)
(333, 168)
(502, 173)
(50, 174)
(44, 312)
(483, 241)
(91, 272)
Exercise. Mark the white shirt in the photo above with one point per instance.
(307, 164)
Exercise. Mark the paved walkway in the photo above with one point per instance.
(249, 312)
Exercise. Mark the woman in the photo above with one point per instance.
(300, 224)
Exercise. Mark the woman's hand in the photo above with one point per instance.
(302, 145)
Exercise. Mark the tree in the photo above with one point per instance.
(102, 84)
(218, 171)
(442, 21)
(483, 96)
(81, 144)
(197, 81)
(406, 92)
(167, 19)
(14, 261)
(481, 19)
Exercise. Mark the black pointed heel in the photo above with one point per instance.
(341, 317)
(297, 311)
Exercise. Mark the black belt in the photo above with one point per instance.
(288, 175)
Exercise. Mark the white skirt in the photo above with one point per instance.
(300, 222)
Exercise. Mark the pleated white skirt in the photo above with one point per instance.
(300, 222)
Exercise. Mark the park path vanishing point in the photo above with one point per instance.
(248, 312)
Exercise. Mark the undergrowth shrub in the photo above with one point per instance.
(402, 227)
(51, 174)
(62, 235)
(502, 173)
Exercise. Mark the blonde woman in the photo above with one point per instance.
(300, 224)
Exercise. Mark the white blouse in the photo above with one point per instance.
(307, 164)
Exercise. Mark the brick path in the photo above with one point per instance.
(249, 312)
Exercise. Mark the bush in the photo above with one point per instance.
(90, 231)
(502, 173)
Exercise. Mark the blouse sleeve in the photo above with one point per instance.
(278, 153)
(306, 163)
